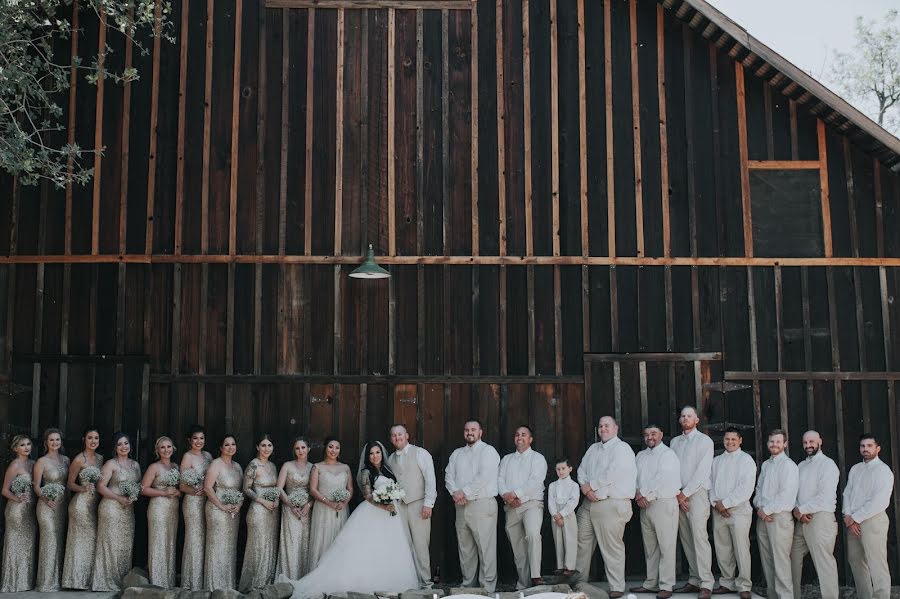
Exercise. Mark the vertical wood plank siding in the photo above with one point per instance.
(171, 291)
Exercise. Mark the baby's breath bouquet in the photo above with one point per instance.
(20, 485)
(298, 498)
(53, 491)
(130, 489)
(193, 477)
(339, 496)
(170, 478)
(89, 476)
(231, 497)
(268, 494)
(388, 494)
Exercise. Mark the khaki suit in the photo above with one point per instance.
(659, 529)
(817, 539)
(602, 524)
(732, 538)
(867, 555)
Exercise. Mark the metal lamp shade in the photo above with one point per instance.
(369, 269)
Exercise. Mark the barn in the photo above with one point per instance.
(587, 207)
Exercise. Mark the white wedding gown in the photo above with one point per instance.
(371, 553)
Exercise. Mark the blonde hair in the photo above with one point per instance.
(160, 440)
(16, 440)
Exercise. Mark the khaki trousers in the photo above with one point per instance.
(817, 538)
(775, 539)
(565, 538)
(523, 528)
(867, 555)
(659, 529)
(419, 531)
(602, 523)
(732, 539)
(476, 532)
(694, 537)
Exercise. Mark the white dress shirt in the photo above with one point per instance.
(610, 469)
(776, 489)
(695, 452)
(819, 477)
(868, 490)
(473, 469)
(658, 473)
(426, 464)
(523, 473)
(563, 496)
(733, 477)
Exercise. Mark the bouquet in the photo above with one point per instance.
(89, 476)
(130, 489)
(388, 494)
(193, 477)
(170, 478)
(298, 498)
(339, 496)
(268, 494)
(53, 491)
(20, 485)
(231, 497)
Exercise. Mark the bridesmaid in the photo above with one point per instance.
(293, 550)
(224, 476)
(82, 534)
(261, 553)
(196, 461)
(18, 541)
(160, 484)
(328, 516)
(115, 517)
(52, 468)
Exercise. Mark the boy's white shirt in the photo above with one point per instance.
(563, 496)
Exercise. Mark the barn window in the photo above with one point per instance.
(787, 213)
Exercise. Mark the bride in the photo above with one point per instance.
(351, 564)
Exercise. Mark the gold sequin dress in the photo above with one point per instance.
(115, 533)
(325, 523)
(293, 548)
(194, 535)
(81, 536)
(52, 530)
(261, 552)
(219, 568)
(162, 529)
(18, 546)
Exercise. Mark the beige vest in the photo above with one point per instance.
(408, 473)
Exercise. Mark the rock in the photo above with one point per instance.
(547, 588)
(336, 596)
(280, 590)
(136, 577)
(149, 592)
(355, 595)
(422, 593)
(226, 594)
(469, 591)
(591, 591)
(186, 594)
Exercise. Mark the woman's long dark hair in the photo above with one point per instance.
(372, 470)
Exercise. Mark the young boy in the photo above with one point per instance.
(562, 499)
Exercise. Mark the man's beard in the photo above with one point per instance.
(813, 451)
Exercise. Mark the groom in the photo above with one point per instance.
(414, 469)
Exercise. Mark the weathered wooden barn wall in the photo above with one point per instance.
(553, 184)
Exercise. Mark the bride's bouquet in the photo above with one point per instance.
(53, 491)
(20, 485)
(231, 497)
(170, 478)
(193, 477)
(298, 498)
(130, 489)
(339, 496)
(388, 494)
(90, 476)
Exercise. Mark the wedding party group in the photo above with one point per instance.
(70, 524)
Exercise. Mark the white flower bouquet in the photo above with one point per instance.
(170, 478)
(130, 489)
(388, 494)
(298, 498)
(231, 497)
(268, 494)
(193, 477)
(339, 496)
(53, 491)
(20, 485)
(90, 476)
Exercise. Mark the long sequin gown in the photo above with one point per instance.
(81, 537)
(261, 552)
(52, 530)
(325, 523)
(219, 567)
(162, 529)
(19, 547)
(194, 535)
(293, 548)
(115, 533)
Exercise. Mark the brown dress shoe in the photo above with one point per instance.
(615, 594)
(745, 594)
(720, 590)
(687, 588)
(536, 581)
(704, 594)
(663, 595)
(640, 590)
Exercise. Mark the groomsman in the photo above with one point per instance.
(658, 484)
(816, 528)
(776, 495)
(608, 477)
(695, 452)
(521, 485)
(471, 479)
(866, 497)
(414, 469)
(733, 478)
